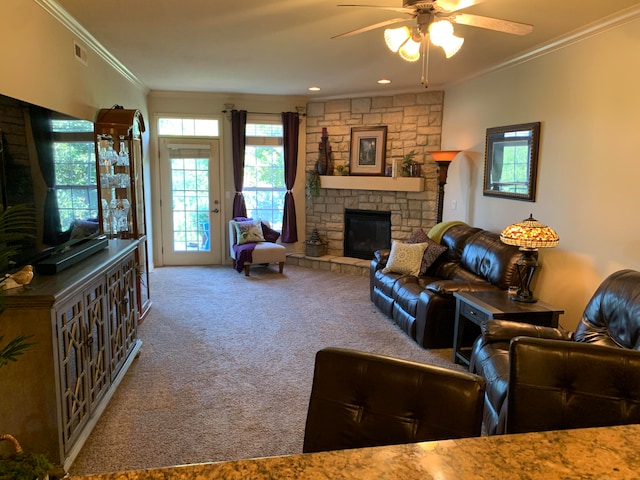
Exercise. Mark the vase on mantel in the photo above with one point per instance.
(324, 165)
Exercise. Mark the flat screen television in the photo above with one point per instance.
(47, 162)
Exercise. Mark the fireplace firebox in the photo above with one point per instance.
(366, 231)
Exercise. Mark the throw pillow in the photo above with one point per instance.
(432, 252)
(247, 232)
(419, 236)
(270, 235)
(405, 258)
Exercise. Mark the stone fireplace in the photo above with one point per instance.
(414, 123)
(366, 231)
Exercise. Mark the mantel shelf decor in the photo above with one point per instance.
(390, 184)
(324, 165)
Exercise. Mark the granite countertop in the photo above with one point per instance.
(593, 453)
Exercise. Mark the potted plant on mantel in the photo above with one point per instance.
(15, 226)
(410, 168)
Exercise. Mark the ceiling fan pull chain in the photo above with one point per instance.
(425, 61)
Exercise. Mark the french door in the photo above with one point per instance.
(192, 231)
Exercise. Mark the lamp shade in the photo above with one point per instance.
(444, 155)
(530, 234)
(452, 45)
(396, 37)
(440, 32)
(410, 51)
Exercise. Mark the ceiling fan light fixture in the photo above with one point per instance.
(396, 37)
(452, 46)
(410, 51)
(440, 32)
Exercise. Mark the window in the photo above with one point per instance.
(188, 127)
(264, 188)
(75, 161)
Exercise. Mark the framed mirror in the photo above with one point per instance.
(511, 161)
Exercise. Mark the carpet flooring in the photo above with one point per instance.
(226, 364)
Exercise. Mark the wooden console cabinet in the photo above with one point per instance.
(83, 322)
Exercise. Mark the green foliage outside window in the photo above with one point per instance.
(75, 162)
(264, 187)
(515, 166)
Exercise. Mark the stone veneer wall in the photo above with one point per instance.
(414, 122)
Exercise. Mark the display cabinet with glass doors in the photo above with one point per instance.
(119, 157)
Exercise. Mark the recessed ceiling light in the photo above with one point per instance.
(314, 89)
(384, 81)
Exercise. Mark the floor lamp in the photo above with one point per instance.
(443, 158)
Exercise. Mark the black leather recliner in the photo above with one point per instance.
(363, 400)
(541, 378)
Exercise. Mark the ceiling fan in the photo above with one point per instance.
(434, 24)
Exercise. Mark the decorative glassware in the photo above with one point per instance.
(123, 154)
(120, 211)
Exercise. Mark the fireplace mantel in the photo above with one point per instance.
(353, 182)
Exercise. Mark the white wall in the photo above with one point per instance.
(38, 66)
(586, 96)
(212, 104)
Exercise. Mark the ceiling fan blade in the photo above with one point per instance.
(454, 5)
(393, 9)
(371, 27)
(497, 24)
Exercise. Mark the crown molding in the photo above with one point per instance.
(608, 23)
(61, 15)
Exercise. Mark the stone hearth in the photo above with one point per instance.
(332, 263)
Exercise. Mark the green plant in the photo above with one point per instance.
(24, 466)
(16, 225)
(313, 184)
(342, 169)
(407, 162)
(14, 348)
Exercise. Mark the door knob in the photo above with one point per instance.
(215, 210)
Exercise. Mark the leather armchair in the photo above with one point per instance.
(555, 385)
(362, 400)
(531, 371)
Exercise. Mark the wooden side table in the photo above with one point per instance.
(474, 308)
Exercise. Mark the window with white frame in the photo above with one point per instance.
(264, 188)
(188, 127)
(75, 170)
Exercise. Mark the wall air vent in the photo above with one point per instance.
(80, 53)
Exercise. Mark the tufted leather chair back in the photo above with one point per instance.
(612, 316)
(556, 384)
(362, 400)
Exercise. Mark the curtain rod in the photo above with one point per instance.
(265, 113)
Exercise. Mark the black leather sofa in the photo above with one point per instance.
(423, 306)
(542, 378)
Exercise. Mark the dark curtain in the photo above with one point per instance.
(239, 140)
(43, 139)
(291, 125)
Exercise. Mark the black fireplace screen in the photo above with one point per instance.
(366, 231)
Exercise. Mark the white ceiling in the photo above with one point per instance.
(283, 47)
